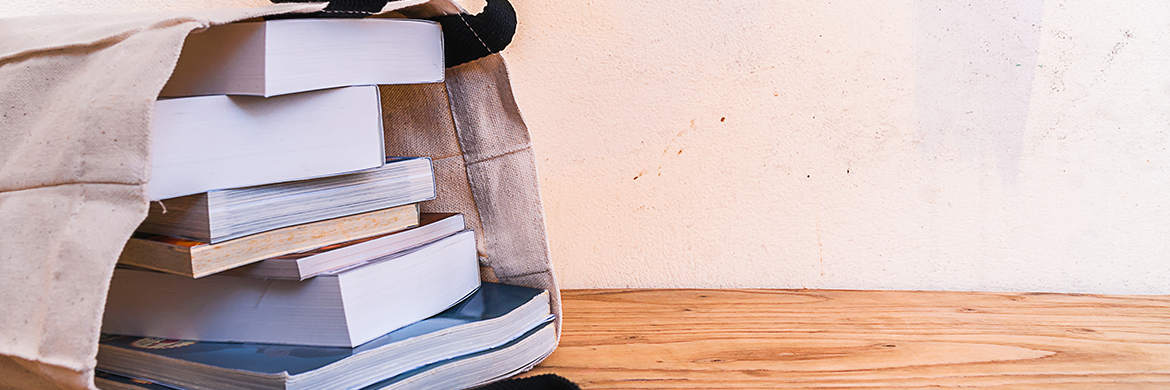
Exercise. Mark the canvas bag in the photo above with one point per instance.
(76, 94)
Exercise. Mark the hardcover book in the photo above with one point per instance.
(342, 308)
(206, 143)
(278, 57)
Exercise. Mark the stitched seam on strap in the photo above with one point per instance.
(485, 46)
(111, 183)
(547, 271)
(521, 149)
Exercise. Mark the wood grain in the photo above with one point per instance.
(747, 339)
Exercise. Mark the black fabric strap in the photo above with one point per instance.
(368, 6)
(467, 37)
(539, 382)
(337, 9)
(471, 37)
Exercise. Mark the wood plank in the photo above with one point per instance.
(747, 339)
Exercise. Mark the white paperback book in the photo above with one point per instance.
(307, 264)
(278, 57)
(343, 308)
(206, 143)
(222, 215)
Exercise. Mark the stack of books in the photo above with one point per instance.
(283, 249)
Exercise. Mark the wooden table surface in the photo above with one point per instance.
(745, 339)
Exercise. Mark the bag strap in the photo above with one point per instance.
(336, 9)
(471, 37)
(467, 37)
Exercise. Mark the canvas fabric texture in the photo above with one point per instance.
(76, 95)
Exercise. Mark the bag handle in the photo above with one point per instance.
(467, 37)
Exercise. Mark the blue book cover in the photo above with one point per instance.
(486, 369)
(491, 301)
(106, 379)
(112, 380)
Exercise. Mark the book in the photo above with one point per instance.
(495, 318)
(342, 308)
(196, 259)
(106, 380)
(476, 369)
(200, 144)
(307, 264)
(278, 57)
(221, 215)
(460, 372)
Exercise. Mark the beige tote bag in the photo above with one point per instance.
(76, 94)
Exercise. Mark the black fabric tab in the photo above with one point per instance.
(471, 37)
(539, 382)
(369, 6)
(336, 9)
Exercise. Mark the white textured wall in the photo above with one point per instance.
(1004, 145)
(996, 145)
